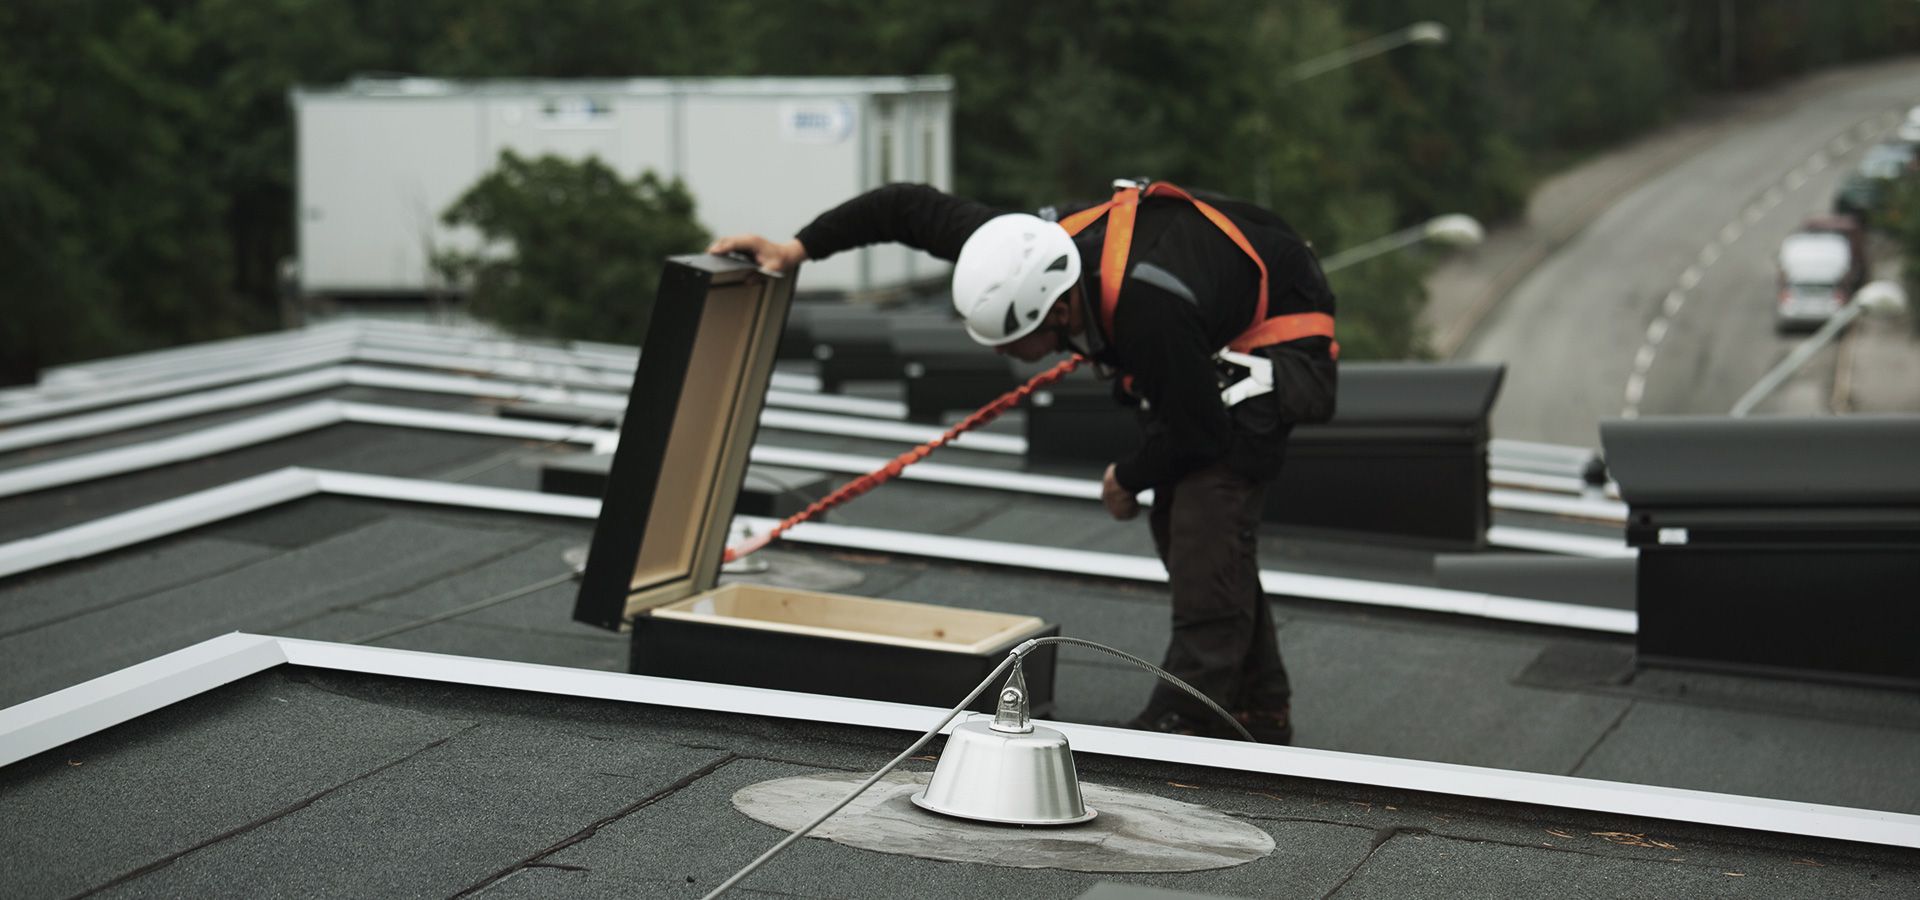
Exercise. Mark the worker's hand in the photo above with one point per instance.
(1119, 501)
(780, 257)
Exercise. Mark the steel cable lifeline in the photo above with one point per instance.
(893, 468)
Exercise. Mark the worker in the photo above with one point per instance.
(1152, 289)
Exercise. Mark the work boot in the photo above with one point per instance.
(1268, 726)
(1170, 722)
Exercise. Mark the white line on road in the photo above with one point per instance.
(1771, 198)
(1817, 162)
(1731, 232)
(1689, 278)
(1754, 213)
(1709, 255)
(1636, 386)
(1795, 179)
(1657, 331)
(1841, 144)
(1675, 300)
(1643, 360)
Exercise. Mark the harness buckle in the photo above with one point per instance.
(1258, 379)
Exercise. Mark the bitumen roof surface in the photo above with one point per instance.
(303, 781)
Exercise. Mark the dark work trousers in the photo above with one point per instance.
(1204, 526)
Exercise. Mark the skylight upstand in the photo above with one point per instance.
(661, 536)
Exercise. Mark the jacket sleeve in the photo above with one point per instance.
(1164, 345)
(916, 215)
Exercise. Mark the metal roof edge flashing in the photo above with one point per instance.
(53, 720)
(293, 483)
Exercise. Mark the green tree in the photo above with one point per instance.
(111, 226)
(570, 249)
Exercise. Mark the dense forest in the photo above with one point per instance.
(145, 147)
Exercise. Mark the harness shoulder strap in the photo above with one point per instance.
(1120, 211)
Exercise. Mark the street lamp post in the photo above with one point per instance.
(1425, 34)
(1421, 34)
(1454, 230)
(1876, 297)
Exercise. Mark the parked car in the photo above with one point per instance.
(1821, 266)
(1866, 189)
(1909, 129)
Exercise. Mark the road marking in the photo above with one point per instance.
(1731, 232)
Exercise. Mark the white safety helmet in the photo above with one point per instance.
(1010, 272)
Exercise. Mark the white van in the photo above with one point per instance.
(1817, 275)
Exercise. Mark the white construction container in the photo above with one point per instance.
(379, 160)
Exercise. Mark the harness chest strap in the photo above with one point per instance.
(1119, 242)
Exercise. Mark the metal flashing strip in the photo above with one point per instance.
(341, 344)
(157, 520)
(1142, 568)
(274, 426)
(1559, 542)
(988, 442)
(48, 722)
(261, 491)
(1573, 507)
(323, 413)
(278, 365)
(349, 375)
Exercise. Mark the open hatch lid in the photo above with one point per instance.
(690, 423)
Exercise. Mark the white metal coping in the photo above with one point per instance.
(45, 723)
(579, 373)
(273, 488)
(1515, 463)
(77, 390)
(324, 413)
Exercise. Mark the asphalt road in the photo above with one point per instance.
(1664, 303)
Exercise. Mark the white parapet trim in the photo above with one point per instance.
(466, 496)
(201, 508)
(274, 426)
(315, 357)
(1559, 542)
(49, 722)
(1147, 569)
(64, 716)
(165, 451)
(1573, 507)
(156, 521)
(889, 431)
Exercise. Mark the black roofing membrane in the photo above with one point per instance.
(369, 449)
(307, 782)
(1367, 679)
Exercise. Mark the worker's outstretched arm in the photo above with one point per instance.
(780, 256)
(916, 215)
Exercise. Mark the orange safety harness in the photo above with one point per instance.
(1113, 268)
(1119, 213)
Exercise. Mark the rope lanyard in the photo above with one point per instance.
(893, 468)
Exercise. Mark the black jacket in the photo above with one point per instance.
(1188, 292)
